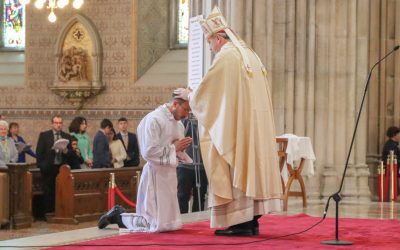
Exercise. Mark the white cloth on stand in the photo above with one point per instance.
(298, 147)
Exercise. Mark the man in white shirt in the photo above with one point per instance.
(129, 140)
(162, 144)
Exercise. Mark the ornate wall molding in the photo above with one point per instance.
(69, 114)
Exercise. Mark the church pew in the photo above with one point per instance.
(82, 195)
(19, 203)
(37, 194)
(4, 199)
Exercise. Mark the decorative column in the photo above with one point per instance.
(329, 175)
(360, 45)
(349, 191)
(312, 183)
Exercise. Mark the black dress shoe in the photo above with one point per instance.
(234, 231)
(112, 217)
(255, 230)
(255, 225)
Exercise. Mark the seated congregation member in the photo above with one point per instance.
(49, 159)
(78, 128)
(101, 147)
(8, 151)
(130, 143)
(74, 157)
(118, 153)
(162, 144)
(13, 133)
(393, 133)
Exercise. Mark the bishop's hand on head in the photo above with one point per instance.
(182, 93)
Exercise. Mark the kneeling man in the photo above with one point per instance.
(162, 145)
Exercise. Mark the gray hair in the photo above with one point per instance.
(4, 123)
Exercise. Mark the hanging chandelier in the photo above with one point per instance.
(54, 4)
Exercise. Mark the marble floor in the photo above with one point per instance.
(56, 234)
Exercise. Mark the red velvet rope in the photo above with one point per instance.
(130, 203)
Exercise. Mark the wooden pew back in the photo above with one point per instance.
(82, 195)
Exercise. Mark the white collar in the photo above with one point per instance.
(165, 110)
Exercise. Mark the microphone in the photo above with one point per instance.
(383, 58)
(336, 196)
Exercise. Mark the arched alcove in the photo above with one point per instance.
(78, 60)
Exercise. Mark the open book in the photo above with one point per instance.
(22, 147)
(60, 144)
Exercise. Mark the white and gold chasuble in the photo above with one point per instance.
(237, 138)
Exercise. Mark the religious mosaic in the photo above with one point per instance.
(73, 65)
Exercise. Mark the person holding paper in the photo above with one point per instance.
(8, 152)
(162, 144)
(22, 147)
(233, 106)
(51, 154)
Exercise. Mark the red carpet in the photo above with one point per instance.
(364, 233)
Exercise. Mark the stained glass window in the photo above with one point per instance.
(13, 24)
(183, 21)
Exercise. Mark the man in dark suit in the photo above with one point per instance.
(49, 160)
(129, 140)
(101, 148)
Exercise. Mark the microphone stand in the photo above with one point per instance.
(336, 196)
(197, 162)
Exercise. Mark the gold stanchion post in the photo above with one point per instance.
(112, 180)
(391, 175)
(380, 172)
